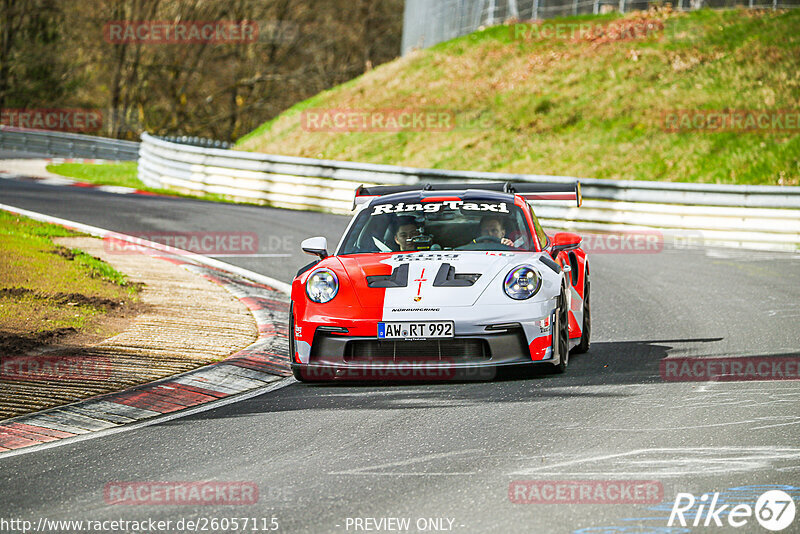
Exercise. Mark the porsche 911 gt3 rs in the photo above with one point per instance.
(433, 279)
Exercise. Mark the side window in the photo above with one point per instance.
(538, 229)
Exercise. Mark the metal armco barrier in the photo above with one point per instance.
(67, 145)
(753, 216)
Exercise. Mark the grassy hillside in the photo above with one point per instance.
(573, 104)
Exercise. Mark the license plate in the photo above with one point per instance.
(419, 330)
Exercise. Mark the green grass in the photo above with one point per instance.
(45, 287)
(123, 173)
(575, 107)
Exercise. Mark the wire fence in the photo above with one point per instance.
(428, 22)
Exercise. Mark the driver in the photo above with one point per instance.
(494, 226)
(407, 229)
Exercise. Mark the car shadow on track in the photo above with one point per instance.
(607, 363)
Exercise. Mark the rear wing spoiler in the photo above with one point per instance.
(530, 191)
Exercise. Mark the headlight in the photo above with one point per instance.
(322, 286)
(522, 282)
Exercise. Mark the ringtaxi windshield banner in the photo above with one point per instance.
(433, 207)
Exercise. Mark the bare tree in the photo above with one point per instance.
(34, 71)
(221, 90)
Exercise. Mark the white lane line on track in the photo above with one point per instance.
(248, 255)
(776, 425)
(692, 427)
(670, 462)
(704, 388)
(156, 420)
(405, 474)
(369, 470)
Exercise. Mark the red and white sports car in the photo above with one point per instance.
(433, 279)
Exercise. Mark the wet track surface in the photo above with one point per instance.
(324, 453)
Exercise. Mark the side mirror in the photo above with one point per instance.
(564, 241)
(316, 246)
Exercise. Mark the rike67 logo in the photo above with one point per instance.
(774, 510)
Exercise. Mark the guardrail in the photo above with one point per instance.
(753, 216)
(67, 145)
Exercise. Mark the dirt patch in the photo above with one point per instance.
(77, 299)
(14, 291)
(69, 299)
(64, 252)
(116, 318)
(14, 344)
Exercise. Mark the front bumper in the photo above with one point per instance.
(465, 357)
(407, 372)
(508, 346)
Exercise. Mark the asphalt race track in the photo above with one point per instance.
(326, 455)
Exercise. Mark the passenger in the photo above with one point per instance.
(494, 226)
(406, 229)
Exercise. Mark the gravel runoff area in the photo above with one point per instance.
(29, 167)
(188, 321)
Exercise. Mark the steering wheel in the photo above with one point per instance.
(487, 239)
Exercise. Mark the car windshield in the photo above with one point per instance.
(438, 225)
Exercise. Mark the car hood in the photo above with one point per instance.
(423, 267)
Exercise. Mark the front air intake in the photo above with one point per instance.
(424, 351)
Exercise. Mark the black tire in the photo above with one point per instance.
(298, 375)
(295, 371)
(586, 331)
(563, 334)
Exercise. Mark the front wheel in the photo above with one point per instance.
(563, 335)
(586, 330)
(293, 346)
(298, 375)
